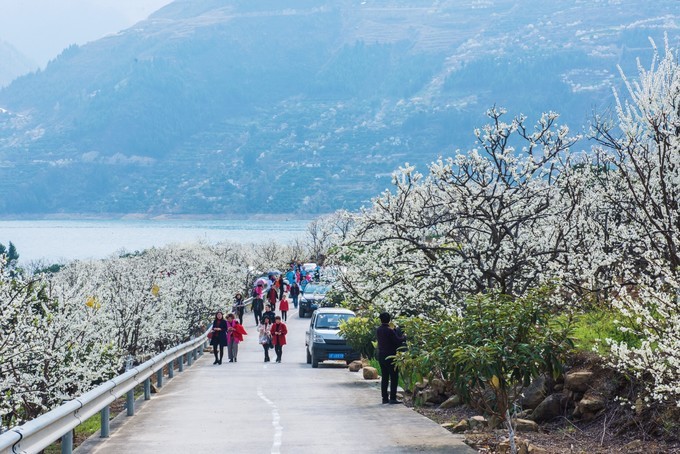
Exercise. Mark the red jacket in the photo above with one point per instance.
(237, 333)
(271, 295)
(283, 305)
(279, 339)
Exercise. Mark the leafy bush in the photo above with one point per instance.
(360, 334)
(497, 346)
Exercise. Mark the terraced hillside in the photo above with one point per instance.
(249, 107)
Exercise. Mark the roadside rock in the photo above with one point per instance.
(525, 425)
(370, 373)
(535, 393)
(591, 404)
(553, 406)
(578, 381)
(452, 401)
(477, 423)
(430, 395)
(533, 449)
(438, 385)
(355, 366)
(461, 427)
(422, 384)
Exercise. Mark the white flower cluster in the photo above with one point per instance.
(61, 334)
(492, 218)
(641, 152)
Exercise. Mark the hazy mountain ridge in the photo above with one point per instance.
(244, 106)
(13, 63)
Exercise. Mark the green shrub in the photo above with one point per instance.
(360, 334)
(497, 346)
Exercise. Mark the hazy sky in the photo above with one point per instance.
(41, 29)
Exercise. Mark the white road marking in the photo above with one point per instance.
(276, 419)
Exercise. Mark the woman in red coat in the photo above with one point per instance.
(278, 332)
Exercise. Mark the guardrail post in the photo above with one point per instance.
(67, 442)
(130, 402)
(180, 366)
(147, 389)
(189, 358)
(171, 368)
(105, 413)
(159, 378)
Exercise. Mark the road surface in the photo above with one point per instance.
(256, 407)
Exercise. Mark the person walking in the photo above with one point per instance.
(294, 293)
(278, 332)
(290, 274)
(235, 334)
(283, 307)
(268, 313)
(239, 307)
(388, 343)
(281, 285)
(218, 337)
(258, 303)
(272, 295)
(265, 337)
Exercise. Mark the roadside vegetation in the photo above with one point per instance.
(507, 262)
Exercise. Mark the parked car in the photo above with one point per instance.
(323, 341)
(312, 297)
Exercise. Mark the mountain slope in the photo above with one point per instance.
(13, 63)
(221, 107)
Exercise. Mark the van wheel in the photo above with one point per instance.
(301, 312)
(309, 357)
(315, 361)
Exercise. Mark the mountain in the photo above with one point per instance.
(247, 107)
(13, 63)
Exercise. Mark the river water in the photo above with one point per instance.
(58, 241)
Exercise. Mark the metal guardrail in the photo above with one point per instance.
(37, 434)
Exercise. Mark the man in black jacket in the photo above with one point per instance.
(388, 343)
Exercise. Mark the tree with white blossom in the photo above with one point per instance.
(489, 219)
(640, 150)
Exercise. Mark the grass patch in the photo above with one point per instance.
(590, 330)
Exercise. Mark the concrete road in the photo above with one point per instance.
(256, 407)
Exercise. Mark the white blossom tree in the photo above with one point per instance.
(492, 218)
(640, 150)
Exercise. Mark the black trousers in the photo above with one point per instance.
(221, 347)
(266, 352)
(278, 349)
(390, 377)
(258, 316)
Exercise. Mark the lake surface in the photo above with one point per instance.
(63, 240)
